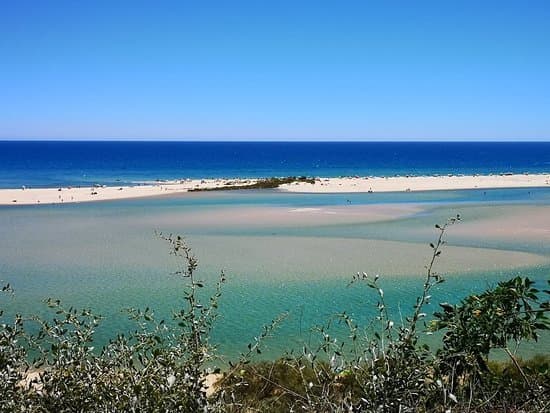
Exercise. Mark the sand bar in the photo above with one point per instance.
(59, 195)
(419, 183)
(319, 258)
(33, 196)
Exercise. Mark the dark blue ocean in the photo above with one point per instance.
(57, 163)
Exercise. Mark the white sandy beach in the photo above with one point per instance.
(33, 196)
(419, 183)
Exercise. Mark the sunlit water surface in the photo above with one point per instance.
(292, 253)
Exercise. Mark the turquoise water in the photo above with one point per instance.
(106, 256)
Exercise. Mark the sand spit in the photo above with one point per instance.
(33, 196)
(419, 183)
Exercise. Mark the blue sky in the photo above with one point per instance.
(275, 70)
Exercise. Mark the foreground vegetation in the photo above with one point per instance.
(162, 367)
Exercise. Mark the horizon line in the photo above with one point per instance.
(165, 140)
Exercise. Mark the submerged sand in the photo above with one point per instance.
(33, 196)
(317, 258)
(517, 224)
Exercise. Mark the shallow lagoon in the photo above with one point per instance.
(281, 252)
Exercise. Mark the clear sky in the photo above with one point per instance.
(275, 70)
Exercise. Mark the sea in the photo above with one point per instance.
(64, 163)
(106, 255)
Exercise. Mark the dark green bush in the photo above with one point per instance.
(267, 183)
